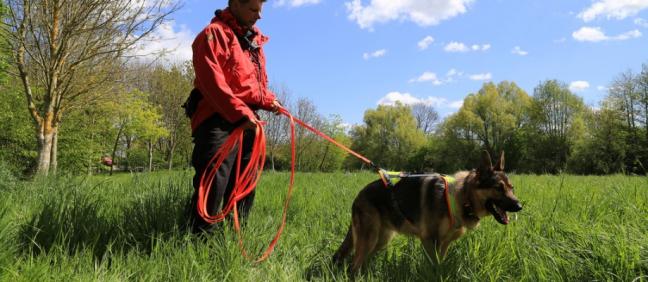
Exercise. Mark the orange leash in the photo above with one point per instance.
(245, 181)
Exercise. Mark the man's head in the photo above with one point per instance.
(246, 12)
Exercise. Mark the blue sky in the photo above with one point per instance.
(348, 56)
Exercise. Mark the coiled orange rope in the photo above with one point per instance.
(246, 180)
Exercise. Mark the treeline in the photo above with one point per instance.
(140, 126)
(549, 131)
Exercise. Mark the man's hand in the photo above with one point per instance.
(250, 124)
(276, 106)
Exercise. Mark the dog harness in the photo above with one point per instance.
(391, 178)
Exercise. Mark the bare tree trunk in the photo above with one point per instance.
(112, 166)
(326, 150)
(54, 158)
(44, 153)
(150, 155)
(172, 147)
(272, 162)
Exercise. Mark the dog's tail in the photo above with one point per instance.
(345, 248)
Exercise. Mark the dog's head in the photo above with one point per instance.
(493, 190)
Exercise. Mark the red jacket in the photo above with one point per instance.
(231, 84)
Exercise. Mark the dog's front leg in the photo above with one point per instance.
(434, 249)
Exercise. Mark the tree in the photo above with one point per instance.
(452, 149)
(557, 120)
(492, 117)
(135, 119)
(169, 88)
(627, 95)
(426, 116)
(277, 129)
(332, 157)
(305, 139)
(17, 149)
(389, 136)
(643, 90)
(64, 50)
(603, 150)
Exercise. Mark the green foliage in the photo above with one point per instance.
(314, 153)
(603, 151)
(18, 150)
(7, 178)
(446, 153)
(169, 87)
(5, 55)
(389, 136)
(556, 124)
(135, 122)
(330, 157)
(492, 118)
(572, 228)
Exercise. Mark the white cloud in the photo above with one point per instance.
(428, 76)
(425, 43)
(392, 97)
(174, 45)
(481, 76)
(483, 47)
(518, 51)
(456, 104)
(601, 88)
(295, 3)
(617, 9)
(579, 86)
(458, 47)
(453, 73)
(628, 35)
(421, 12)
(407, 99)
(432, 77)
(374, 54)
(595, 34)
(641, 22)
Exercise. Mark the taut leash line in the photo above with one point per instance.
(247, 179)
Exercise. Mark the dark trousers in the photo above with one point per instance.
(208, 138)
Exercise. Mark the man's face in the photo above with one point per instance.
(247, 13)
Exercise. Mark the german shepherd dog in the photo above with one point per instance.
(417, 206)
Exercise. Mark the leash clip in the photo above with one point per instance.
(384, 175)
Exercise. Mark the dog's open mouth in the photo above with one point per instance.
(497, 212)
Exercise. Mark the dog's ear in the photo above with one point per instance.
(500, 163)
(486, 166)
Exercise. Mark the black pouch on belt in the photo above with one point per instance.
(191, 104)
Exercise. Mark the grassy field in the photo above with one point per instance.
(131, 227)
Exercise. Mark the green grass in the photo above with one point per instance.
(131, 227)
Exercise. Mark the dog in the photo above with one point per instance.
(417, 206)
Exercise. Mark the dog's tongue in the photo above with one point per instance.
(503, 216)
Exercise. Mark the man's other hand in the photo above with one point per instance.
(276, 106)
(250, 124)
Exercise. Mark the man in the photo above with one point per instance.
(230, 85)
